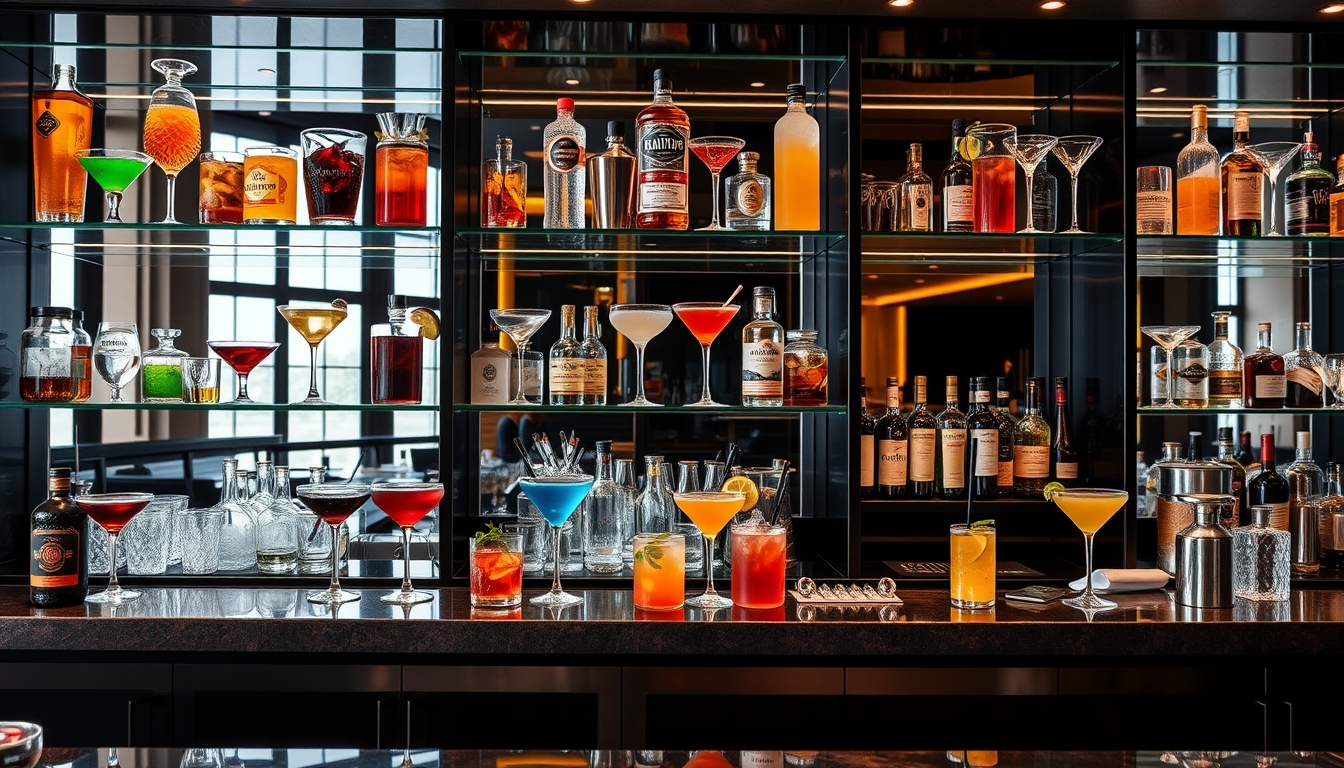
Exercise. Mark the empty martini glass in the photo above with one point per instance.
(715, 152)
(115, 170)
(1029, 149)
(1272, 157)
(1169, 336)
(520, 324)
(640, 323)
(314, 324)
(1073, 151)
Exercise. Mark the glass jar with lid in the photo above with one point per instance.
(82, 357)
(804, 369)
(161, 369)
(46, 369)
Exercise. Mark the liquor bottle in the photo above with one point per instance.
(504, 188)
(1006, 424)
(1264, 383)
(1337, 200)
(81, 356)
(1170, 452)
(563, 143)
(566, 368)
(58, 574)
(1194, 447)
(161, 369)
(950, 460)
(238, 531)
(1307, 193)
(1140, 484)
(797, 166)
(749, 759)
(958, 192)
(1243, 454)
(983, 426)
(763, 353)
(62, 125)
(1269, 487)
(1260, 559)
(276, 528)
(1044, 193)
(594, 357)
(893, 447)
(1242, 183)
(397, 357)
(1332, 508)
(611, 181)
(1092, 437)
(1190, 369)
(915, 191)
(1226, 456)
(1031, 447)
(1306, 481)
(608, 517)
(655, 509)
(1302, 368)
(1225, 367)
(1063, 454)
(867, 445)
(491, 369)
(922, 427)
(1197, 180)
(748, 195)
(664, 160)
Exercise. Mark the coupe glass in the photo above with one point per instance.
(172, 126)
(705, 319)
(710, 511)
(640, 323)
(113, 511)
(334, 502)
(116, 355)
(1089, 509)
(520, 324)
(556, 497)
(1029, 149)
(1169, 336)
(1272, 157)
(115, 170)
(407, 503)
(314, 324)
(1073, 151)
(715, 152)
(242, 357)
(1334, 378)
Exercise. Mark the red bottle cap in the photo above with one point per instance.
(566, 104)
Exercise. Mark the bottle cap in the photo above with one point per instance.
(1224, 433)
(564, 104)
(615, 129)
(1261, 514)
(662, 80)
(396, 301)
(892, 381)
(796, 91)
(61, 312)
(1264, 326)
(1302, 326)
(59, 472)
(958, 128)
(763, 290)
(746, 161)
(1304, 441)
(863, 381)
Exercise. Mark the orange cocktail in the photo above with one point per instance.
(973, 566)
(710, 511)
(705, 319)
(660, 571)
(496, 569)
(172, 136)
(1089, 509)
(271, 188)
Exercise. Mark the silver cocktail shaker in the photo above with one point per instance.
(1204, 554)
(1177, 479)
(611, 181)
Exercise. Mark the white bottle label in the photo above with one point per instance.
(1153, 207)
(1271, 387)
(954, 457)
(920, 201)
(567, 376)
(46, 363)
(762, 369)
(1192, 382)
(1066, 471)
(891, 467)
(490, 380)
(922, 443)
(595, 378)
(1031, 461)
(1243, 195)
(866, 461)
(958, 204)
(986, 451)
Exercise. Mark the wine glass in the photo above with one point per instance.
(334, 502)
(640, 323)
(242, 357)
(314, 324)
(407, 503)
(1029, 149)
(112, 511)
(705, 319)
(556, 497)
(715, 152)
(116, 355)
(1073, 151)
(115, 170)
(520, 324)
(1334, 378)
(1089, 509)
(1169, 336)
(1272, 157)
(172, 126)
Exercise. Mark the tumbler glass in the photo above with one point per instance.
(333, 170)
(1152, 200)
(270, 185)
(200, 379)
(198, 532)
(221, 200)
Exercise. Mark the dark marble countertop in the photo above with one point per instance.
(607, 626)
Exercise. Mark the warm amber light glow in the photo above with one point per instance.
(900, 3)
(1333, 8)
(943, 289)
(1053, 5)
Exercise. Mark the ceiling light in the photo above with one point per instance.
(1158, 89)
(872, 277)
(535, 127)
(900, 3)
(263, 114)
(572, 81)
(1177, 134)
(758, 84)
(1333, 8)
(919, 281)
(266, 70)
(998, 298)
(1052, 5)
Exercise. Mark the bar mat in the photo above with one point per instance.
(910, 570)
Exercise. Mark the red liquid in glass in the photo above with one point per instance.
(242, 357)
(333, 176)
(408, 506)
(715, 156)
(334, 509)
(397, 364)
(113, 515)
(994, 195)
(496, 574)
(399, 185)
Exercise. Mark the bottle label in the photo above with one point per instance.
(954, 457)
(1031, 461)
(1066, 471)
(1278, 517)
(1153, 207)
(1243, 195)
(761, 759)
(55, 560)
(595, 378)
(892, 460)
(1225, 384)
(894, 399)
(1271, 387)
(922, 442)
(567, 376)
(865, 461)
(264, 185)
(750, 198)
(918, 199)
(762, 369)
(46, 124)
(1190, 382)
(666, 198)
(1307, 378)
(1006, 474)
(958, 204)
(80, 364)
(662, 147)
(981, 396)
(564, 153)
(986, 452)
(47, 362)
(1337, 213)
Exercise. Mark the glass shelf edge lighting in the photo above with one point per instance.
(1103, 63)
(644, 410)
(650, 56)
(523, 243)
(1150, 411)
(957, 246)
(221, 407)
(1269, 251)
(222, 47)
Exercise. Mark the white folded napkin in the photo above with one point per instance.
(1114, 580)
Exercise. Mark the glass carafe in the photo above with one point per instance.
(172, 126)
(397, 357)
(237, 535)
(161, 369)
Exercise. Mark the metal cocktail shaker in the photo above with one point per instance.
(1183, 478)
(611, 181)
(1204, 555)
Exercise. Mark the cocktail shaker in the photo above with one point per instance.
(611, 181)
(1183, 478)
(1204, 554)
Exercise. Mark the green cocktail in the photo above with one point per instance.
(115, 170)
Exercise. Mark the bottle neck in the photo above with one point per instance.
(1303, 454)
(567, 323)
(1171, 453)
(1195, 451)
(1311, 156)
(590, 322)
(1031, 406)
(58, 488)
(662, 95)
(1267, 453)
(229, 492)
(921, 394)
(1225, 449)
(1220, 329)
(604, 467)
(1265, 340)
(1333, 487)
(63, 79)
(565, 115)
(1302, 337)
(894, 399)
(763, 307)
(951, 398)
(1241, 138)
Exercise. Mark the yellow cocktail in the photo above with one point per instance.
(1089, 509)
(710, 511)
(314, 324)
(973, 566)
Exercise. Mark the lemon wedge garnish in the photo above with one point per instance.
(1050, 489)
(968, 146)
(428, 322)
(743, 485)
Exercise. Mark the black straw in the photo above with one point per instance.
(527, 462)
(355, 471)
(779, 491)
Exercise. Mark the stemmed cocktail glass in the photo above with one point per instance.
(520, 324)
(407, 503)
(1029, 149)
(1073, 152)
(113, 511)
(116, 355)
(242, 357)
(705, 319)
(640, 323)
(556, 497)
(1168, 336)
(314, 324)
(115, 170)
(715, 152)
(172, 126)
(1334, 378)
(710, 511)
(1089, 509)
(334, 502)
(1272, 157)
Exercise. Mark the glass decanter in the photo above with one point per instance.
(238, 534)
(172, 126)
(278, 526)
(161, 369)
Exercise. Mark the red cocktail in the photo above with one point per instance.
(407, 503)
(334, 503)
(398, 369)
(242, 357)
(715, 152)
(705, 319)
(113, 511)
(496, 569)
(758, 565)
(994, 193)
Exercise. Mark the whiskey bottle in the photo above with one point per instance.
(983, 425)
(1190, 369)
(1197, 179)
(958, 202)
(566, 367)
(594, 357)
(564, 140)
(893, 447)
(1031, 447)
(915, 189)
(58, 573)
(1225, 366)
(1242, 183)
(867, 445)
(1306, 481)
(1006, 424)
(1302, 368)
(1332, 508)
(62, 125)
(1307, 193)
(922, 428)
(748, 195)
(1063, 454)
(1263, 381)
(950, 460)
(662, 129)
(763, 353)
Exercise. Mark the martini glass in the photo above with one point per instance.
(640, 323)
(242, 357)
(705, 319)
(407, 504)
(172, 134)
(710, 511)
(1272, 157)
(115, 170)
(556, 497)
(314, 324)
(715, 152)
(1073, 151)
(113, 511)
(1089, 509)
(1169, 336)
(334, 502)
(520, 324)
(1029, 149)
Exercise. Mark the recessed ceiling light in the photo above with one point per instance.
(1177, 134)
(572, 81)
(758, 84)
(919, 281)
(872, 277)
(998, 298)
(1333, 8)
(900, 3)
(933, 266)
(1052, 5)
(266, 70)
(1158, 89)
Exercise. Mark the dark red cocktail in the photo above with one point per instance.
(113, 511)
(407, 503)
(333, 503)
(397, 363)
(333, 170)
(242, 357)
(334, 509)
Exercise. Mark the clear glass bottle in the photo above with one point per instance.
(763, 353)
(1306, 481)
(1197, 179)
(1031, 446)
(655, 511)
(805, 364)
(504, 188)
(915, 195)
(1141, 483)
(958, 201)
(1190, 367)
(1303, 367)
(62, 125)
(797, 167)
(1171, 451)
(46, 372)
(1264, 380)
(238, 534)
(1242, 183)
(1044, 195)
(277, 528)
(161, 368)
(611, 181)
(594, 357)
(607, 517)
(748, 195)
(1307, 193)
(922, 428)
(950, 458)
(1260, 558)
(491, 371)
(1225, 366)
(1332, 519)
(566, 366)
(81, 356)
(563, 175)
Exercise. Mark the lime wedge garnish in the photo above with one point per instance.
(1050, 489)
(982, 523)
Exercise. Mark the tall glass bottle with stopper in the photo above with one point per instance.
(1303, 367)
(396, 359)
(1044, 197)
(161, 369)
(566, 366)
(763, 353)
(1197, 183)
(1064, 458)
(504, 188)
(277, 526)
(607, 517)
(238, 534)
(1003, 410)
(1031, 447)
(1307, 193)
(594, 357)
(797, 165)
(1242, 183)
(893, 448)
(1225, 366)
(868, 460)
(655, 510)
(915, 189)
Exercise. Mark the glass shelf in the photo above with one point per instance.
(903, 249)
(650, 57)
(1150, 411)
(1187, 254)
(1239, 64)
(222, 407)
(787, 411)
(259, 49)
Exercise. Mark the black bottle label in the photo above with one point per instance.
(56, 556)
(47, 123)
(662, 147)
(564, 154)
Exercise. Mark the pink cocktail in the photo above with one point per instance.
(705, 320)
(758, 565)
(242, 357)
(113, 511)
(407, 503)
(715, 152)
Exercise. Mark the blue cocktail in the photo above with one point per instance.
(556, 498)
